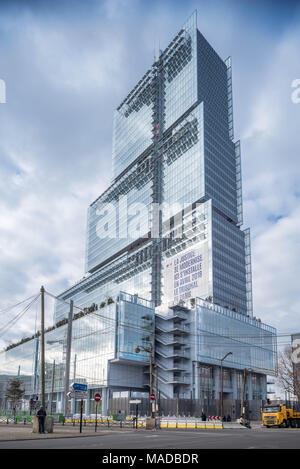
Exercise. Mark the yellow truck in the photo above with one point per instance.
(279, 416)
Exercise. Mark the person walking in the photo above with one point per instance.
(41, 415)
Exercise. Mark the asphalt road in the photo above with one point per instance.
(203, 439)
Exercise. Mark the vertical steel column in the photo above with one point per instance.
(52, 387)
(43, 345)
(157, 187)
(68, 357)
(36, 358)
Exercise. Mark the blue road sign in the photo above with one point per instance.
(79, 387)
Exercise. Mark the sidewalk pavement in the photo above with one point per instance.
(24, 432)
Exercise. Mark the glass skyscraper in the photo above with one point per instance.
(167, 261)
(175, 165)
(168, 229)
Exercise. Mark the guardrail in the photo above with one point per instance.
(128, 422)
(164, 423)
(106, 422)
(190, 424)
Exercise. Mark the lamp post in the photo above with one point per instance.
(222, 359)
(148, 350)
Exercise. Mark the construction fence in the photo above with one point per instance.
(187, 408)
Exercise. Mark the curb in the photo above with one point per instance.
(53, 438)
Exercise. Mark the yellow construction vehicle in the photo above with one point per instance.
(279, 416)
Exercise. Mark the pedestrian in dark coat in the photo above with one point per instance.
(41, 415)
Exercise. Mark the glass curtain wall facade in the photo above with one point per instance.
(173, 149)
(168, 233)
(103, 354)
(168, 230)
(190, 342)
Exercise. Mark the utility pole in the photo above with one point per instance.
(156, 391)
(68, 357)
(43, 345)
(74, 371)
(52, 388)
(243, 394)
(208, 390)
(149, 350)
(35, 373)
(73, 405)
(151, 380)
(221, 391)
(222, 359)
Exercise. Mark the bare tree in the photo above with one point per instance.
(289, 372)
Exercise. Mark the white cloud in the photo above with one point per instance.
(276, 272)
(272, 186)
(64, 77)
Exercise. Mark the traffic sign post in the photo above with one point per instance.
(136, 416)
(136, 402)
(96, 422)
(79, 391)
(97, 398)
(152, 400)
(81, 407)
(77, 395)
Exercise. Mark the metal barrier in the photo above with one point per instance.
(165, 422)
(102, 421)
(190, 424)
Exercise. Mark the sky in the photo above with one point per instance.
(67, 65)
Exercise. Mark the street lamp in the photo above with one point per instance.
(148, 350)
(222, 359)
